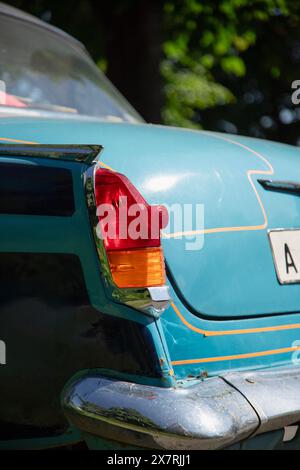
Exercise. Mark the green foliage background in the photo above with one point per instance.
(224, 65)
(230, 64)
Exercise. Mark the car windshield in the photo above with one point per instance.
(47, 72)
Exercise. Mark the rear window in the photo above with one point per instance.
(41, 71)
(35, 190)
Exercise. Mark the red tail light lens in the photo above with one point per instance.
(130, 229)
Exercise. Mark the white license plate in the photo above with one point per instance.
(286, 254)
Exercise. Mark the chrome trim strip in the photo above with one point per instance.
(76, 153)
(209, 415)
(282, 186)
(212, 414)
(153, 300)
(274, 394)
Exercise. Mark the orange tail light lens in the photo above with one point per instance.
(137, 268)
(135, 262)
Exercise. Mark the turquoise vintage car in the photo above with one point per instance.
(97, 344)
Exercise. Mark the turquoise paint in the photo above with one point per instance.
(209, 171)
(185, 344)
(162, 351)
(64, 235)
(205, 170)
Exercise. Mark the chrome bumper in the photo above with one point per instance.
(212, 414)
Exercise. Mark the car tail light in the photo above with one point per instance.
(130, 230)
(137, 268)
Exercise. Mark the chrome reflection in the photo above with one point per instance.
(162, 182)
(77, 153)
(291, 187)
(212, 414)
(209, 415)
(152, 301)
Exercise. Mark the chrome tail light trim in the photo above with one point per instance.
(150, 300)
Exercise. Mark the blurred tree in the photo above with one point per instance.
(224, 65)
(251, 47)
(133, 46)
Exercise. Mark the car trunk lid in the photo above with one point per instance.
(234, 273)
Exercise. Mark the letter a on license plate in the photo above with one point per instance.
(285, 246)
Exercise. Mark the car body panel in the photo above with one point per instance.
(208, 169)
(62, 328)
(198, 344)
(39, 336)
